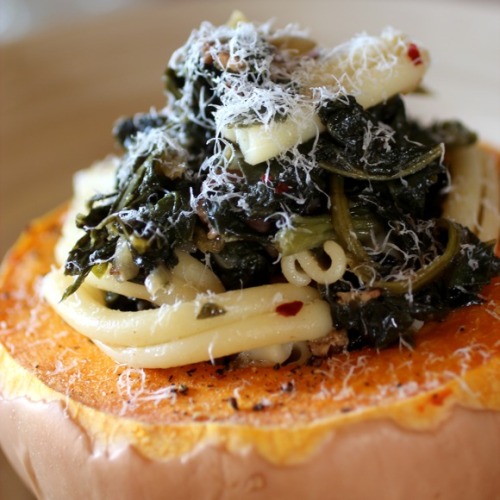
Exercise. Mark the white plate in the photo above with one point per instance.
(62, 90)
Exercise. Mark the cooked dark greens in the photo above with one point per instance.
(372, 181)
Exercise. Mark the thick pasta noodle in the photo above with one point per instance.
(490, 204)
(264, 330)
(474, 197)
(176, 334)
(303, 267)
(169, 322)
(184, 282)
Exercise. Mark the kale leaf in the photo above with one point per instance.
(242, 264)
(380, 318)
(148, 210)
(360, 145)
(126, 129)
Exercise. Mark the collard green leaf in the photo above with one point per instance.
(361, 146)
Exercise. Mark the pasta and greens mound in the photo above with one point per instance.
(277, 163)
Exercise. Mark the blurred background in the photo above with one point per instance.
(20, 17)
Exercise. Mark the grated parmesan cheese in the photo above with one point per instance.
(269, 97)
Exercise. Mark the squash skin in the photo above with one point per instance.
(308, 431)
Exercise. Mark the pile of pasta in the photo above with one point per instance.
(175, 333)
(194, 319)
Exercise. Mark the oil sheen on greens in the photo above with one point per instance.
(381, 203)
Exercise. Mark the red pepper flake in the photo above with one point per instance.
(290, 308)
(414, 54)
(266, 178)
(281, 187)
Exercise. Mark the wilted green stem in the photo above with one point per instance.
(429, 273)
(303, 234)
